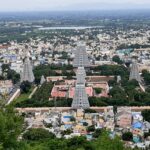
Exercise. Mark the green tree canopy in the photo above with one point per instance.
(127, 136)
(25, 86)
(10, 128)
(146, 115)
(117, 59)
(38, 134)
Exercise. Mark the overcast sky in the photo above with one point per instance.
(52, 5)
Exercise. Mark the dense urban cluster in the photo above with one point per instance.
(75, 87)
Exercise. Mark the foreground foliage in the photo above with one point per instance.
(10, 128)
(103, 142)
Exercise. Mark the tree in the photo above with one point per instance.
(112, 82)
(146, 76)
(98, 90)
(48, 125)
(117, 59)
(50, 70)
(25, 86)
(10, 128)
(113, 70)
(148, 89)
(85, 124)
(55, 144)
(146, 115)
(79, 142)
(12, 75)
(130, 85)
(127, 136)
(104, 142)
(5, 67)
(38, 134)
(97, 133)
(66, 132)
(88, 110)
(72, 119)
(102, 101)
(91, 128)
(43, 93)
(9, 74)
(146, 134)
(117, 92)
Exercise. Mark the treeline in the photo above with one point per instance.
(59, 102)
(146, 76)
(40, 97)
(51, 70)
(133, 46)
(12, 136)
(11, 126)
(126, 93)
(111, 70)
(122, 93)
(8, 74)
(14, 33)
(42, 139)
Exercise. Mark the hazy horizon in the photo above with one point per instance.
(71, 5)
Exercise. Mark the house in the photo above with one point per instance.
(137, 117)
(109, 118)
(80, 129)
(6, 86)
(55, 78)
(124, 117)
(59, 91)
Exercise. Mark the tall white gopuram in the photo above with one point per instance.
(27, 74)
(81, 57)
(134, 72)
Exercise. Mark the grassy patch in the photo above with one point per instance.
(23, 96)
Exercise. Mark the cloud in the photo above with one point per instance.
(31, 5)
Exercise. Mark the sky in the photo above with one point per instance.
(59, 5)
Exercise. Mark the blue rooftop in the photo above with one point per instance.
(137, 125)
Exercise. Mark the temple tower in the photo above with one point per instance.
(80, 99)
(81, 57)
(134, 72)
(42, 80)
(27, 74)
